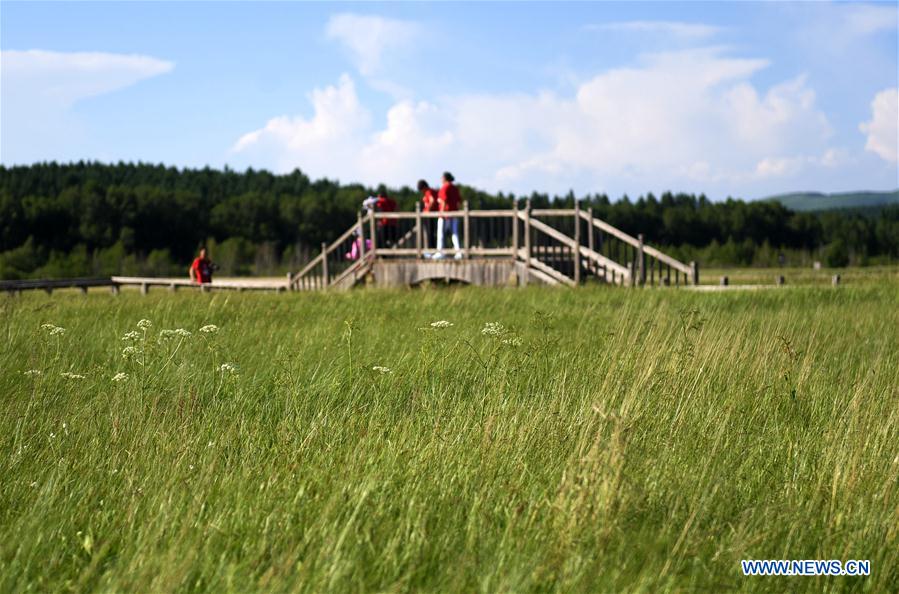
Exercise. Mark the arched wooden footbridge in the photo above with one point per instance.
(496, 248)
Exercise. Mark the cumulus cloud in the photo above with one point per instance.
(687, 119)
(325, 143)
(682, 30)
(883, 128)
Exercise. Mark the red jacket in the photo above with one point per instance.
(385, 204)
(429, 201)
(448, 197)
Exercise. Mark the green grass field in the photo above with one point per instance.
(600, 440)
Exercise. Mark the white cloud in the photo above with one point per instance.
(883, 128)
(40, 87)
(369, 37)
(677, 29)
(324, 143)
(688, 120)
(867, 19)
(62, 78)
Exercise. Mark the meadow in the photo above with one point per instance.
(536, 440)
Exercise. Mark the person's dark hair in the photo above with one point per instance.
(382, 190)
(448, 176)
(422, 185)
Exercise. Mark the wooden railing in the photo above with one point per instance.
(567, 246)
(114, 283)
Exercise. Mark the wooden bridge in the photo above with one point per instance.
(497, 248)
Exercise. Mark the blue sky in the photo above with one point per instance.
(741, 99)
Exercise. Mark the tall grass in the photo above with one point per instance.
(599, 440)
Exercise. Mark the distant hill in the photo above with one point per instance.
(816, 201)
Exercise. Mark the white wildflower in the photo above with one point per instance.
(32, 372)
(441, 324)
(129, 352)
(381, 369)
(512, 341)
(120, 377)
(493, 329)
(53, 329)
(144, 324)
(228, 368)
(169, 334)
(69, 375)
(132, 335)
(209, 329)
(52, 435)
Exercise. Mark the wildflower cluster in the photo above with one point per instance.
(499, 332)
(493, 329)
(382, 370)
(209, 329)
(53, 330)
(120, 377)
(144, 324)
(69, 375)
(132, 335)
(229, 368)
(130, 352)
(441, 324)
(177, 332)
(32, 372)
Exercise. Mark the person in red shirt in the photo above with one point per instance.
(201, 269)
(386, 227)
(448, 201)
(428, 204)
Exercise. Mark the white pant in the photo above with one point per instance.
(453, 225)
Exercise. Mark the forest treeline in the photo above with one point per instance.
(85, 219)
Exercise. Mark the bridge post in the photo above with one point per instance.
(515, 230)
(374, 235)
(641, 260)
(418, 230)
(577, 242)
(694, 269)
(290, 281)
(324, 265)
(527, 241)
(466, 242)
(361, 237)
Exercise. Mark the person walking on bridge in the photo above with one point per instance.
(448, 202)
(201, 269)
(428, 204)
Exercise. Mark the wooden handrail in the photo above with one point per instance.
(557, 235)
(547, 270)
(312, 263)
(649, 250)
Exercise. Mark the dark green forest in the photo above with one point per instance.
(93, 219)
